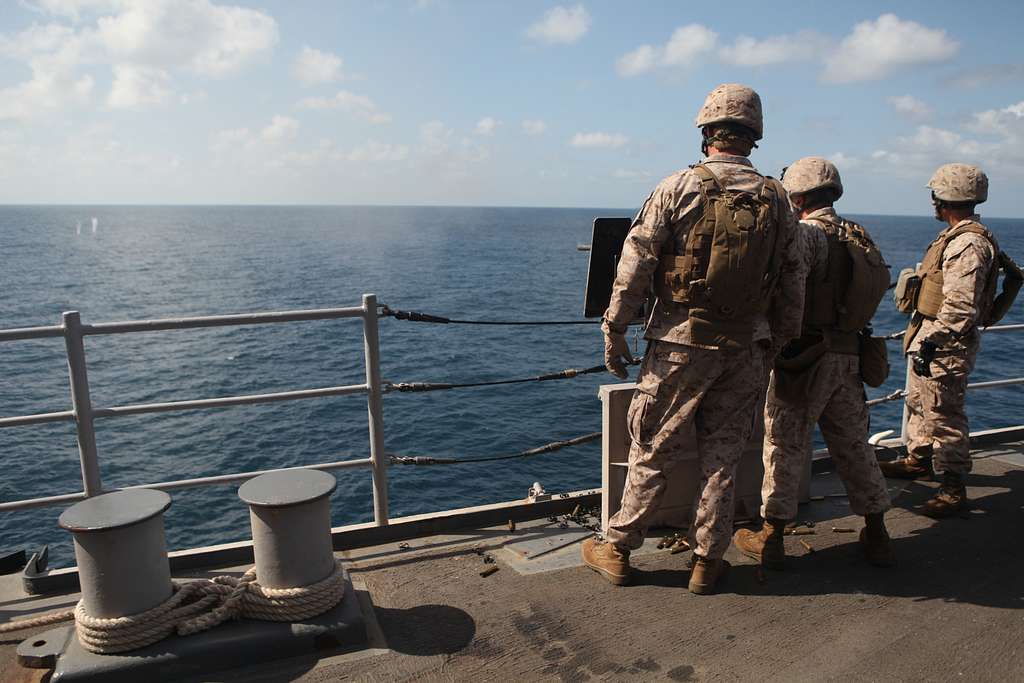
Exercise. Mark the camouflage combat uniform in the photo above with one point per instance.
(836, 401)
(693, 400)
(937, 423)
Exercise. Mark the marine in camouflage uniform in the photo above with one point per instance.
(694, 399)
(944, 345)
(831, 392)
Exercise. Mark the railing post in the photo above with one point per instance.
(906, 395)
(371, 345)
(81, 403)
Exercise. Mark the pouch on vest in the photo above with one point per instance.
(857, 278)
(1013, 278)
(796, 368)
(874, 360)
(907, 288)
(868, 283)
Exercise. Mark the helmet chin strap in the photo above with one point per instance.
(743, 144)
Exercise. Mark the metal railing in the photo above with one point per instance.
(991, 384)
(83, 413)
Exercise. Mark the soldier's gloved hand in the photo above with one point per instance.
(616, 351)
(923, 359)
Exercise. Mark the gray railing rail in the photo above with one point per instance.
(991, 384)
(83, 413)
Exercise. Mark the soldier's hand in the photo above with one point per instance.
(922, 360)
(616, 353)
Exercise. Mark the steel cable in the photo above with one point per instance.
(546, 448)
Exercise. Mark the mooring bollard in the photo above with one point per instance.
(291, 526)
(121, 551)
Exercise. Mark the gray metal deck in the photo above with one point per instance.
(953, 609)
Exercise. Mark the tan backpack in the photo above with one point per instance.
(730, 264)
(855, 283)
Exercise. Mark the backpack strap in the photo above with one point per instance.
(708, 180)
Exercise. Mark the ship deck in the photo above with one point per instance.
(953, 608)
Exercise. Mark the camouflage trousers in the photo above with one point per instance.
(937, 424)
(835, 400)
(690, 402)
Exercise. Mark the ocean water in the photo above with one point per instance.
(475, 263)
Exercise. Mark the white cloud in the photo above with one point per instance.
(910, 106)
(1007, 122)
(560, 24)
(211, 40)
(378, 152)
(487, 126)
(796, 47)
(49, 90)
(280, 128)
(845, 162)
(143, 42)
(627, 174)
(684, 48)
(687, 44)
(313, 66)
(640, 60)
(138, 87)
(534, 127)
(610, 140)
(360, 105)
(225, 140)
(876, 48)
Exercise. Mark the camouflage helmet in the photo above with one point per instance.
(959, 183)
(732, 102)
(812, 173)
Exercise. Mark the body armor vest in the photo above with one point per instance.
(841, 304)
(929, 296)
(729, 268)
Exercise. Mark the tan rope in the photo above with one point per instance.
(197, 606)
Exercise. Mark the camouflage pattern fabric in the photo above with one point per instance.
(966, 264)
(661, 227)
(690, 403)
(938, 422)
(836, 402)
(959, 183)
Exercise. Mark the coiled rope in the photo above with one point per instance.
(197, 606)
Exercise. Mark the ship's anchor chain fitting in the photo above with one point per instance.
(197, 606)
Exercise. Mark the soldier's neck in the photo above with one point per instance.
(952, 218)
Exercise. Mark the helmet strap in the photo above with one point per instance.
(731, 139)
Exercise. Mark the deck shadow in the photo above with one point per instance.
(426, 630)
(974, 558)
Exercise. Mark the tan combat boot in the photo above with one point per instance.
(874, 539)
(909, 467)
(607, 560)
(705, 574)
(766, 546)
(951, 498)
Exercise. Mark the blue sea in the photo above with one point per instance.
(473, 263)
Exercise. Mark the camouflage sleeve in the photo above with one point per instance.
(966, 264)
(813, 250)
(639, 260)
(787, 309)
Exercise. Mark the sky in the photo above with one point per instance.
(525, 103)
